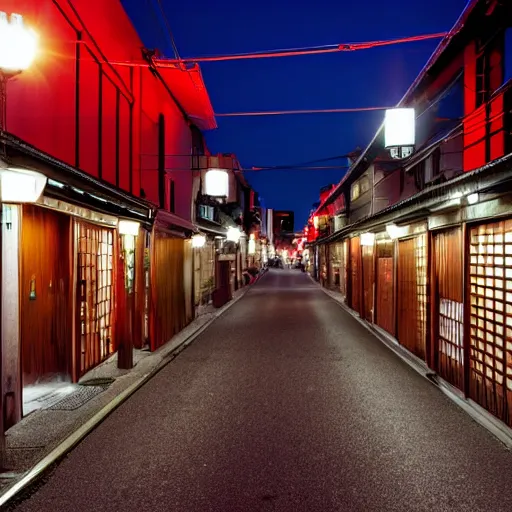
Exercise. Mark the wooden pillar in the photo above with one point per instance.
(124, 309)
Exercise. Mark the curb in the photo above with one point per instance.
(477, 413)
(58, 453)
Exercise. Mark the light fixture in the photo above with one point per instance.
(198, 241)
(216, 182)
(473, 198)
(128, 227)
(18, 43)
(399, 127)
(395, 231)
(252, 246)
(367, 239)
(21, 185)
(233, 234)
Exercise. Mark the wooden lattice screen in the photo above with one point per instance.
(95, 251)
(490, 357)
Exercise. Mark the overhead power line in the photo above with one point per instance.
(294, 52)
(292, 112)
(169, 31)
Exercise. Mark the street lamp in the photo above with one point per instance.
(18, 48)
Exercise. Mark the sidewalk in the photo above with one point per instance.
(42, 431)
(475, 411)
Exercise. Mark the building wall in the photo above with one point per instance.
(80, 105)
(361, 206)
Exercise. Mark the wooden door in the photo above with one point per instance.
(385, 292)
(95, 294)
(412, 294)
(168, 290)
(355, 274)
(45, 302)
(449, 307)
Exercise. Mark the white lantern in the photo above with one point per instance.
(216, 183)
(128, 227)
(367, 239)
(252, 247)
(399, 127)
(21, 186)
(18, 44)
(198, 241)
(233, 235)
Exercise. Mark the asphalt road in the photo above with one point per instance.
(285, 403)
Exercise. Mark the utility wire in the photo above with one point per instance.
(294, 52)
(169, 30)
(292, 112)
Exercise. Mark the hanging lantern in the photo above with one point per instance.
(399, 127)
(216, 183)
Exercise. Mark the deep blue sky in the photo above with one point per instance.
(376, 77)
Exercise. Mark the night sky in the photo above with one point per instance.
(376, 77)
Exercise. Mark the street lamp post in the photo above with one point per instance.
(18, 45)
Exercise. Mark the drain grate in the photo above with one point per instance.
(78, 398)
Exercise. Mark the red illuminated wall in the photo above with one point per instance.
(80, 105)
(484, 128)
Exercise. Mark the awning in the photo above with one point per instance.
(172, 222)
(72, 185)
(188, 88)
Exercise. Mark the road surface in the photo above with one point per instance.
(286, 403)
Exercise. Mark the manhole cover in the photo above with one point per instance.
(78, 398)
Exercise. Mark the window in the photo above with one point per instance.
(355, 191)
(206, 212)
(172, 204)
(360, 187)
(489, 69)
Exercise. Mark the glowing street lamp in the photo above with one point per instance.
(18, 44)
(233, 235)
(198, 241)
(18, 48)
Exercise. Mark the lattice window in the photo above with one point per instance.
(420, 252)
(491, 317)
(95, 273)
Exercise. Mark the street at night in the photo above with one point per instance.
(285, 403)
